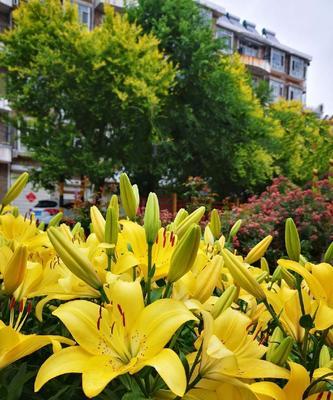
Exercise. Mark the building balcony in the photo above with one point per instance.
(5, 153)
(258, 65)
(8, 4)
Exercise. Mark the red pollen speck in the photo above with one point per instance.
(21, 306)
(173, 241)
(320, 395)
(156, 241)
(329, 396)
(99, 319)
(122, 314)
(112, 328)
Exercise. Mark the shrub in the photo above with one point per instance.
(310, 207)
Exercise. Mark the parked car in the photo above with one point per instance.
(44, 210)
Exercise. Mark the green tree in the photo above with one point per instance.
(306, 142)
(82, 98)
(216, 126)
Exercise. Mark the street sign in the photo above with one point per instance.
(31, 197)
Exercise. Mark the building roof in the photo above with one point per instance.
(248, 29)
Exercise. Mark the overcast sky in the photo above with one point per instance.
(306, 25)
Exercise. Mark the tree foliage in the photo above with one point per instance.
(81, 97)
(306, 142)
(217, 128)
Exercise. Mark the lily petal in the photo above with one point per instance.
(170, 369)
(298, 382)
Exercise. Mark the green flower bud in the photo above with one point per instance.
(215, 223)
(181, 215)
(242, 276)
(281, 353)
(128, 196)
(111, 227)
(193, 218)
(292, 241)
(274, 342)
(264, 264)
(15, 212)
(277, 274)
(328, 256)
(324, 357)
(98, 223)
(41, 226)
(152, 222)
(235, 228)
(185, 253)
(288, 278)
(76, 229)
(55, 220)
(115, 204)
(258, 250)
(225, 301)
(137, 195)
(74, 260)
(15, 190)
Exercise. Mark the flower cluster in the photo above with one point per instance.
(311, 208)
(164, 312)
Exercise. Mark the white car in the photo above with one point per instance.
(44, 210)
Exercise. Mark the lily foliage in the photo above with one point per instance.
(164, 312)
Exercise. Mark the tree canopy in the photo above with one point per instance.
(81, 97)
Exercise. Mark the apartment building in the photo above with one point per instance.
(285, 70)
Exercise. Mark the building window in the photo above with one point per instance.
(228, 40)
(248, 49)
(85, 15)
(278, 60)
(295, 93)
(277, 89)
(297, 67)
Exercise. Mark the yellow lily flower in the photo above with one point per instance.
(15, 345)
(230, 355)
(132, 250)
(121, 338)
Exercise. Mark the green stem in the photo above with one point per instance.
(2, 208)
(148, 284)
(300, 295)
(305, 344)
(109, 262)
(167, 290)
(103, 295)
(274, 316)
(196, 361)
(316, 352)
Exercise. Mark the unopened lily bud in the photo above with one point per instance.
(262, 277)
(274, 342)
(264, 264)
(15, 212)
(292, 241)
(152, 222)
(55, 220)
(128, 196)
(137, 195)
(41, 226)
(14, 272)
(208, 236)
(207, 279)
(74, 260)
(324, 357)
(111, 227)
(15, 190)
(115, 204)
(215, 223)
(242, 276)
(180, 216)
(98, 223)
(225, 301)
(277, 274)
(235, 228)
(221, 241)
(76, 229)
(328, 256)
(258, 250)
(193, 218)
(288, 278)
(185, 253)
(281, 353)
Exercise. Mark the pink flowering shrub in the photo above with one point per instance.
(310, 207)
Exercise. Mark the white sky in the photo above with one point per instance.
(306, 25)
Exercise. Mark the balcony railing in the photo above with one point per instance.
(5, 153)
(257, 63)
